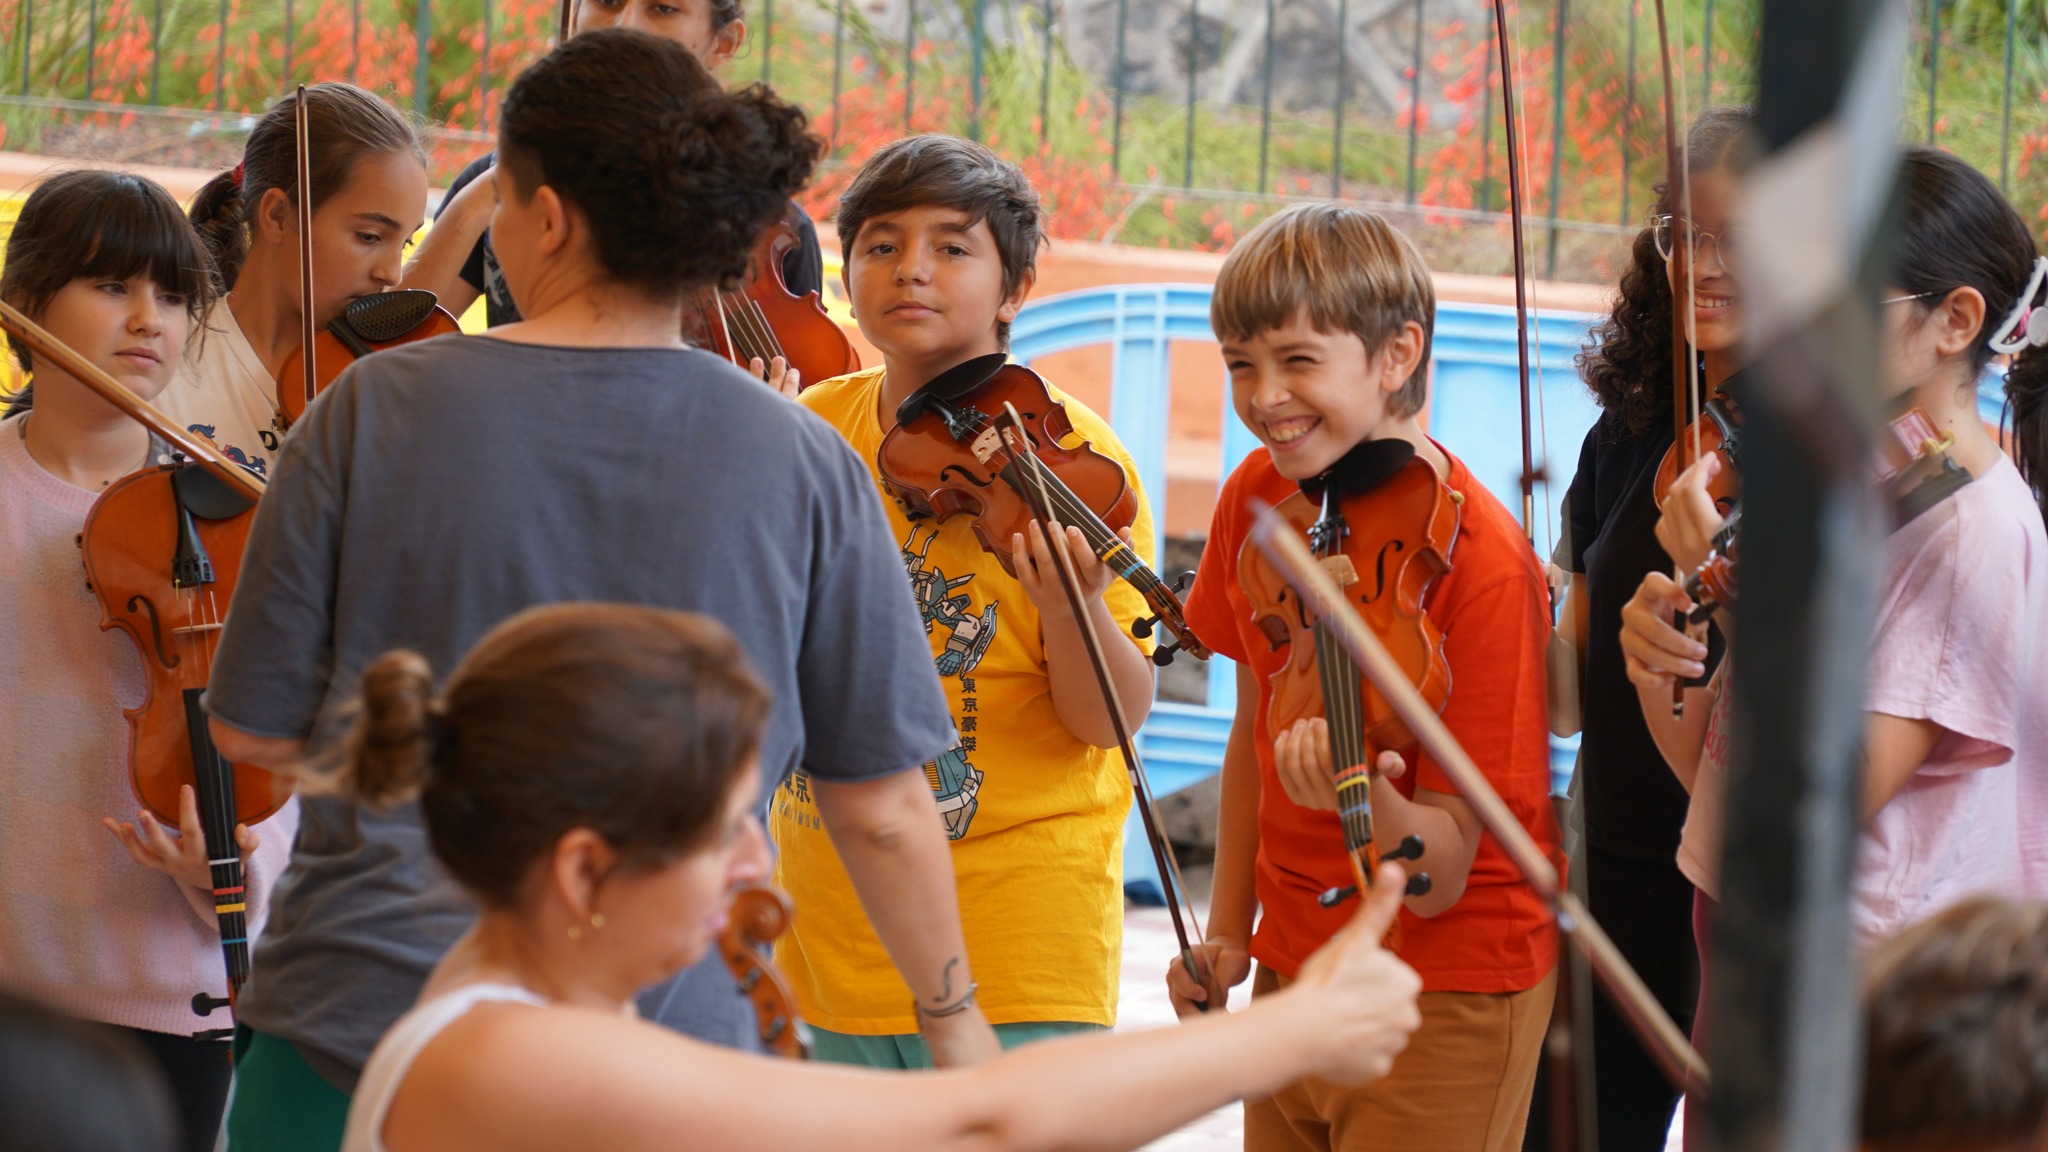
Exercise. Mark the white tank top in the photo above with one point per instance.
(402, 1045)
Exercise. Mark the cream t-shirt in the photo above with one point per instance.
(222, 392)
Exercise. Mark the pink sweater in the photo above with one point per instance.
(82, 925)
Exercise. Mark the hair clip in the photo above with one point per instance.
(236, 175)
(2026, 326)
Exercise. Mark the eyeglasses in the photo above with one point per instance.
(1724, 243)
(1915, 296)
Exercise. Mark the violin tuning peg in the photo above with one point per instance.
(1142, 627)
(1418, 885)
(1164, 654)
(1335, 896)
(1183, 582)
(203, 1004)
(1410, 848)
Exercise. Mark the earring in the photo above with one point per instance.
(597, 921)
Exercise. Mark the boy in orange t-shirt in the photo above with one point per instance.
(1325, 315)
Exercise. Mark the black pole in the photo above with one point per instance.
(1116, 127)
(1786, 1051)
(909, 61)
(1628, 112)
(1045, 77)
(1486, 124)
(1187, 165)
(838, 65)
(1556, 133)
(1933, 62)
(1337, 131)
(2012, 14)
(220, 62)
(1266, 102)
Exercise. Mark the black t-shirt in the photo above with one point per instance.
(803, 267)
(1634, 806)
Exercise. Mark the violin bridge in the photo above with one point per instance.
(1341, 570)
(987, 444)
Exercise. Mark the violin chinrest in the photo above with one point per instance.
(385, 316)
(1364, 468)
(956, 381)
(205, 495)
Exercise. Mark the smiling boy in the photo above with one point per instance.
(941, 240)
(1325, 316)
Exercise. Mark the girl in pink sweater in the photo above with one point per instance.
(102, 919)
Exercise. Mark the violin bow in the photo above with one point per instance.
(1684, 363)
(1011, 426)
(562, 33)
(1291, 555)
(308, 331)
(196, 448)
(1513, 135)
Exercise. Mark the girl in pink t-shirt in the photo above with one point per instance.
(106, 920)
(1955, 760)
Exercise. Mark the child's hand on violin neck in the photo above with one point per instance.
(1656, 651)
(182, 857)
(1032, 558)
(1301, 758)
(1690, 519)
(1358, 997)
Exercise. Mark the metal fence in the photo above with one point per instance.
(1162, 117)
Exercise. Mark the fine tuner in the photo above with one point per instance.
(1410, 848)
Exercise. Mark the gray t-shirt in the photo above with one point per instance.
(436, 489)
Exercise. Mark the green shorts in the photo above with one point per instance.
(906, 1052)
(281, 1104)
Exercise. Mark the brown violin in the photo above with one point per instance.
(1382, 523)
(945, 458)
(369, 323)
(759, 915)
(1719, 432)
(161, 550)
(763, 319)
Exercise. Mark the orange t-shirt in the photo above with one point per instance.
(1491, 608)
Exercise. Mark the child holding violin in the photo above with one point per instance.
(1325, 315)
(1955, 761)
(941, 240)
(1631, 806)
(107, 263)
(456, 261)
(369, 186)
(590, 774)
(673, 480)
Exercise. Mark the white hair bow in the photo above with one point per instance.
(2026, 326)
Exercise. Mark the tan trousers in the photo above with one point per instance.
(1462, 1085)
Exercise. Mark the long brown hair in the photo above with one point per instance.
(344, 124)
(630, 721)
(1627, 358)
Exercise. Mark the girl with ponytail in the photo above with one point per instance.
(1955, 761)
(589, 775)
(369, 191)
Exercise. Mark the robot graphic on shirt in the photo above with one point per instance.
(954, 780)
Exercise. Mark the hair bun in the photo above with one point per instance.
(391, 749)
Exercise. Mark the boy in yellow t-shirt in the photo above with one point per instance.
(940, 239)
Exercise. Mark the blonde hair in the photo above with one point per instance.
(1345, 269)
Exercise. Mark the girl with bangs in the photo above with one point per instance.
(114, 925)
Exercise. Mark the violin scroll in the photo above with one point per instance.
(758, 915)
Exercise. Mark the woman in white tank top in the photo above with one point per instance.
(589, 775)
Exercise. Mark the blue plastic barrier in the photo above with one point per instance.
(1474, 411)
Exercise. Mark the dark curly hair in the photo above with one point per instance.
(675, 177)
(1627, 357)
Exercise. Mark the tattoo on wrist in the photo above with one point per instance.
(946, 1003)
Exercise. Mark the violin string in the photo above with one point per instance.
(745, 341)
(1141, 784)
(771, 347)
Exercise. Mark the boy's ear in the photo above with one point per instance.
(557, 225)
(846, 282)
(725, 44)
(1014, 303)
(1404, 356)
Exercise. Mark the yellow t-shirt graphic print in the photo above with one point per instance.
(954, 779)
(1035, 815)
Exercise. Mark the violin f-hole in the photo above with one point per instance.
(156, 630)
(1379, 570)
